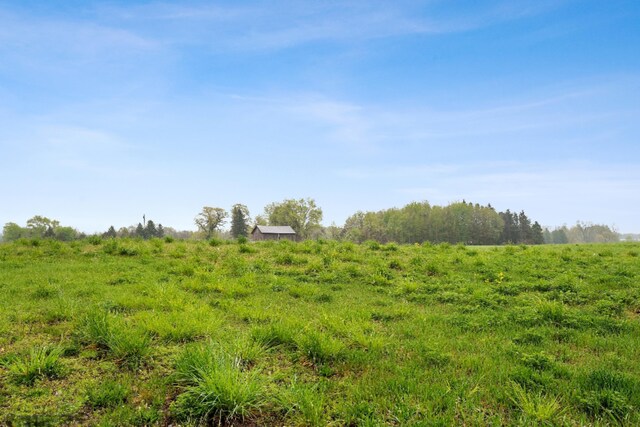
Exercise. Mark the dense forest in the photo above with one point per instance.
(417, 222)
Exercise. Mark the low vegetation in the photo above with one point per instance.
(132, 332)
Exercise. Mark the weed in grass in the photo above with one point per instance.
(107, 393)
(539, 408)
(40, 362)
(539, 361)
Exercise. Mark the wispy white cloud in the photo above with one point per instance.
(253, 27)
(68, 34)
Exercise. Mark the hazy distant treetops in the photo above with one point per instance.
(38, 227)
(459, 222)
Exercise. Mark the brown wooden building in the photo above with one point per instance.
(273, 232)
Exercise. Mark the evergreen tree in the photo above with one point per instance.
(239, 221)
(526, 234)
(111, 233)
(139, 231)
(559, 236)
(150, 231)
(537, 238)
(160, 231)
(508, 232)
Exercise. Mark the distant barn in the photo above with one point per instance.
(273, 232)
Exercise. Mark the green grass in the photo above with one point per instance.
(318, 333)
(39, 362)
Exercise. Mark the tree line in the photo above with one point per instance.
(417, 222)
(459, 222)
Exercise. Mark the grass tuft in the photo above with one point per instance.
(40, 362)
(216, 387)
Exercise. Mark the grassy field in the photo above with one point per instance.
(126, 332)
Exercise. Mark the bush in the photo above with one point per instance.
(215, 242)
(94, 240)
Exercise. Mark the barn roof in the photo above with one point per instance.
(274, 229)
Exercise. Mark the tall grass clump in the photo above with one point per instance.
(320, 348)
(130, 347)
(216, 387)
(40, 362)
(275, 335)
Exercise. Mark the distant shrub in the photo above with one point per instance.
(372, 245)
(216, 242)
(94, 240)
(110, 247)
(242, 240)
(390, 247)
(246, 249)
(168, 239)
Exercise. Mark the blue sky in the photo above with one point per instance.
(112, 110)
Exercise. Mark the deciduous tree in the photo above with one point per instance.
(210, 220)
(302, 215)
